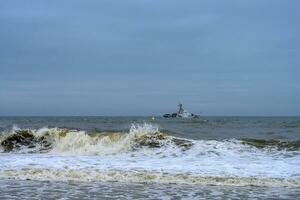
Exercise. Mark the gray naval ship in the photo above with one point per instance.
(182, 113)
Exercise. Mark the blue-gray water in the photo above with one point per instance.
(203, 128)
(145, 158)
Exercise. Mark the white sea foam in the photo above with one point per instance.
(141, 176)
(76, 155)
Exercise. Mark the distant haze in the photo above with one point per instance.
(143, 57)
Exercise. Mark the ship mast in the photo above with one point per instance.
(181, 109)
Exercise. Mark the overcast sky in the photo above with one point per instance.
(143, 57)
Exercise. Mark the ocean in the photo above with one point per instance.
(145, 158)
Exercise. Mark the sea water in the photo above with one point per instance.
(138, 157)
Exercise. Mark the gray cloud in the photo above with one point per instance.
(141, 57)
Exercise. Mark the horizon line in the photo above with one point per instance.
(159, 116)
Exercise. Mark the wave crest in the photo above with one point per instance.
(66, 141)
(278, 144)
(60, 140)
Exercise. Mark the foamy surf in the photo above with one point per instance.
(142, 177)
(64, 141)
(145, 154)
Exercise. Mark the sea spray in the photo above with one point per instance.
(64, 141)
(144, 154)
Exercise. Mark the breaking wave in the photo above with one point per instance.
(62, 140)
(146, 154)
(58, 140)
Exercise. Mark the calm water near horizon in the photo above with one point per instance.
(142, 158)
